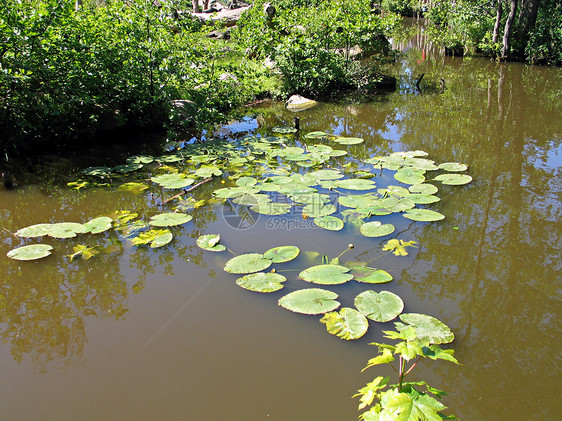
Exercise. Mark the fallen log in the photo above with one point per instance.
(177, 196)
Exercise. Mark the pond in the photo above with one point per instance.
(136, 333)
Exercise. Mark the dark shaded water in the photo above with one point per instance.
(141, 334)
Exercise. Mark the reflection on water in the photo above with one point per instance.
(166, 334)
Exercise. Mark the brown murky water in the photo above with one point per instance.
(142, 334)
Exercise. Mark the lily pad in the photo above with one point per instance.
(427, 328)
(140, 159)
(453, 166)
(136, 188)
(32, 231)
(210, 242)
(316, 135)
(410, 176)
(310, 301)
(331, 223)
(376, 229)
(172, 181)
(97, 171)
(319, 209)
(98, 225)
(356, 184)
(155, 237)
(66, 230)
(348, 140)
(346, 324)
(370, 275)
(284, 130)
(326, 274)
(423, 188)
(247, 263)
(424, 215)
(208, 171)
(170, 219)
(126, 168)
(282, 254)
(380, 307)
(31, 252)
(262, 282)
(454, 179)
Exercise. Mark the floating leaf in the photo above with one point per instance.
(348, 140)
(316, 135)
(246, 182)
(398, 247)
(97, 171)
(346, 324)
(453, 166)
(326, 274)
(247, 263)
(31, 252)
(370, 275)
(282, 254)
(331, 223)
(326, 174)
(156, 238)
(169, 158)
(454, 179)
(356, 184)
(37, 230)
(98, 225)
(208, 171)
(319, 209)
(140, 159)
(66, 230)
(376, 229)
(262, 282)
(423, 199)
(132, 187)
(83, 251)
(310, 301)
(410, 176)
(424, 215)
(210, 242)
(380, 307)
(170, 219)
(427, 328)
(423, 188)
(172, 181)
(126, 168)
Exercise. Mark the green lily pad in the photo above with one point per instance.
(126, 168)
(32, 231)
(170, 219)
(140, 159)
(376, 229)
(247, 263)
(370, 275)
(410, 176)
(356, 184)
(97, 171)
(208, 171)
(282, 254)
(262, 282)
(454, 179)
(246, 182)
(136, 188)
(310, 301)
(326, 274)
(316, 135)
(327, 174)
(424, 215)
(346, 324)
(380, 307)
(348, 140)
(423, 199)
(210, 242)
(31, 252)
(156, 238)
(172, 181)
(66, 230)
(169, 158)
(453, 166)
(337, 152)
(331, 223)
(427, 328)
(98, 225)
(423, 188)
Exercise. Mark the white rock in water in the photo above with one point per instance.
(297, 103)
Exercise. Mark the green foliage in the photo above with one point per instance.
(311, 42)
(404, 400)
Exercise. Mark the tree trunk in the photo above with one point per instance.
(527, 19)
(508, 28)
(195, 6)
(499, 13)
